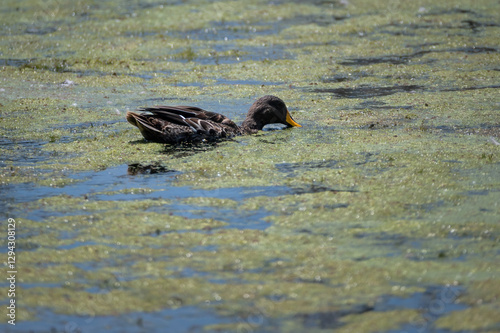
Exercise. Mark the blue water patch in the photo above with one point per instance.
(433, 303)
(112, 179)
(438, 300)
(119, 184)
(183, 319)
(5, 286)
(423, 327)
(75, 245)
(241, 219)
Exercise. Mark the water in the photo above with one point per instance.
(170, 320)
(93, 184)
(391, 183)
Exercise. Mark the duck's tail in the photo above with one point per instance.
(132, 118)
(148, 131)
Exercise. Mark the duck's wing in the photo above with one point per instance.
(197, 119)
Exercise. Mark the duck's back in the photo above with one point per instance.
(176, 124)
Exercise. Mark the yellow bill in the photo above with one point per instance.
(290, 121)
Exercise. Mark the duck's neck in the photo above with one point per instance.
(250, 125)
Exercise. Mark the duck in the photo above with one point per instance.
(189, 124)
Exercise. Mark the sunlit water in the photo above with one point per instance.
(385, 207)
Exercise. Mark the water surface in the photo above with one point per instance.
(380, 214)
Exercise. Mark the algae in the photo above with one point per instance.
(390, 188)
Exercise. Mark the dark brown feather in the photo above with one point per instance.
(176, 124)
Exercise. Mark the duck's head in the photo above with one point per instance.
(268, 110)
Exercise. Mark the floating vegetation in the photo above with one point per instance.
(380, 214)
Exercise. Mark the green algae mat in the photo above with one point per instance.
(380, 214)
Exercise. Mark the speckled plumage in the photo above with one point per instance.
(177, 124)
